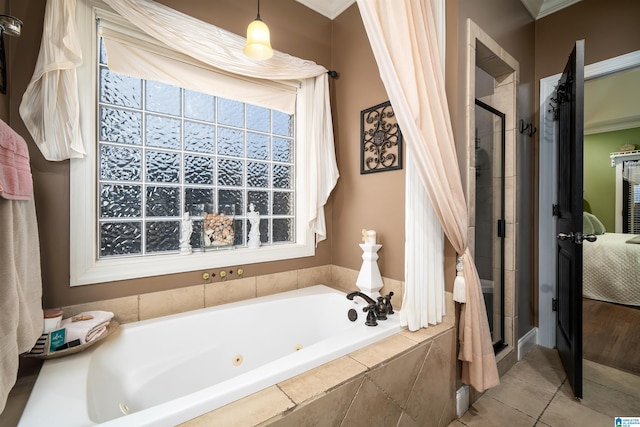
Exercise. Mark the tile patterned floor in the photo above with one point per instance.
(535, 392)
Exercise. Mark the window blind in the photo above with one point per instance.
(631, 209)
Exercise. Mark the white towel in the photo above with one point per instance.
(20, 287)
(87, 330)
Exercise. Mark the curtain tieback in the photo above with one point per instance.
(459, 294)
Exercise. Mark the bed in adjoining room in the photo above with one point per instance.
(612, 268)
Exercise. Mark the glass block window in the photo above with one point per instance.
(165, 150)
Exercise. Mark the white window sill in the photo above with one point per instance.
(108, 270)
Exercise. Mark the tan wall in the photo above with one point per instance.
(609, 29)
(4, 98)
(371, 201)
(295, 29)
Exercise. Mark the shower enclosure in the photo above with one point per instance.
(490, 213)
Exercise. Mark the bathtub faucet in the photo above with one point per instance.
(377, 310)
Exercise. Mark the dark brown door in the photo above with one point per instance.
(570, 96)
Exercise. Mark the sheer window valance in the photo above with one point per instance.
(136, 54)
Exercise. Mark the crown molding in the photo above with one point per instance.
(329, 8)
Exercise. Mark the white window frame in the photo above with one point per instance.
(617, 161)
(85, 267)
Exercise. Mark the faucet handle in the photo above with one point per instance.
(381, 309)
(371, 315)
(387, 302)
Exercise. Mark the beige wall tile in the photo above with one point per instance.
(435, 384)
(510, 247)
(508, 330)
(229, 291)
(450, 317)
(249, 411)
(395, 286)
(506, 359)
(407, 421)
(510, 153)
(344, 278)
(396, 377)
(510, 199)
(327, 410)
(378, 352)
(320, 275)
(314, 382)
(275, 283)
(510, 307)
(163, 303)
(125, 309)
(426, 334)
(372, 407)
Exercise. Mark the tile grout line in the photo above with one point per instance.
(550, 400)
(353, 399)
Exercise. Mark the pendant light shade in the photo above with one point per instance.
(258, 45)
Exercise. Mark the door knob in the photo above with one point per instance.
(577, 238)
(563, 236)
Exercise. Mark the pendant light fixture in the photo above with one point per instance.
(258, 45)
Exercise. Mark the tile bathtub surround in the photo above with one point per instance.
(345, 279)
(163, 303)
(125, 309)
(406, 379)
(156, 304)
(335, 397)
(229, 291)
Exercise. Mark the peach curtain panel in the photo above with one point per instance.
(404, 42)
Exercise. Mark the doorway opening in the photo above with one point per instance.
(546, 334)
(491, 182)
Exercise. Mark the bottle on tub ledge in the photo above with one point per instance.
(52, 335)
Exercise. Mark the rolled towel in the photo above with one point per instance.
(87, 326)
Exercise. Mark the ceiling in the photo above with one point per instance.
(611, 102)
(537, 8)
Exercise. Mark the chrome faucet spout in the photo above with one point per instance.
(365, 297)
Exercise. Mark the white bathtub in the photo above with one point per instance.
(168, 370)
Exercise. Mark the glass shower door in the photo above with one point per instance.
(489, 214)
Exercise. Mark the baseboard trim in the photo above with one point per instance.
(527, 342)
(462, 400)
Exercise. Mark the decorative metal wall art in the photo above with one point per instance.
(381, 140)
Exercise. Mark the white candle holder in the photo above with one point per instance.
(369, 279)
